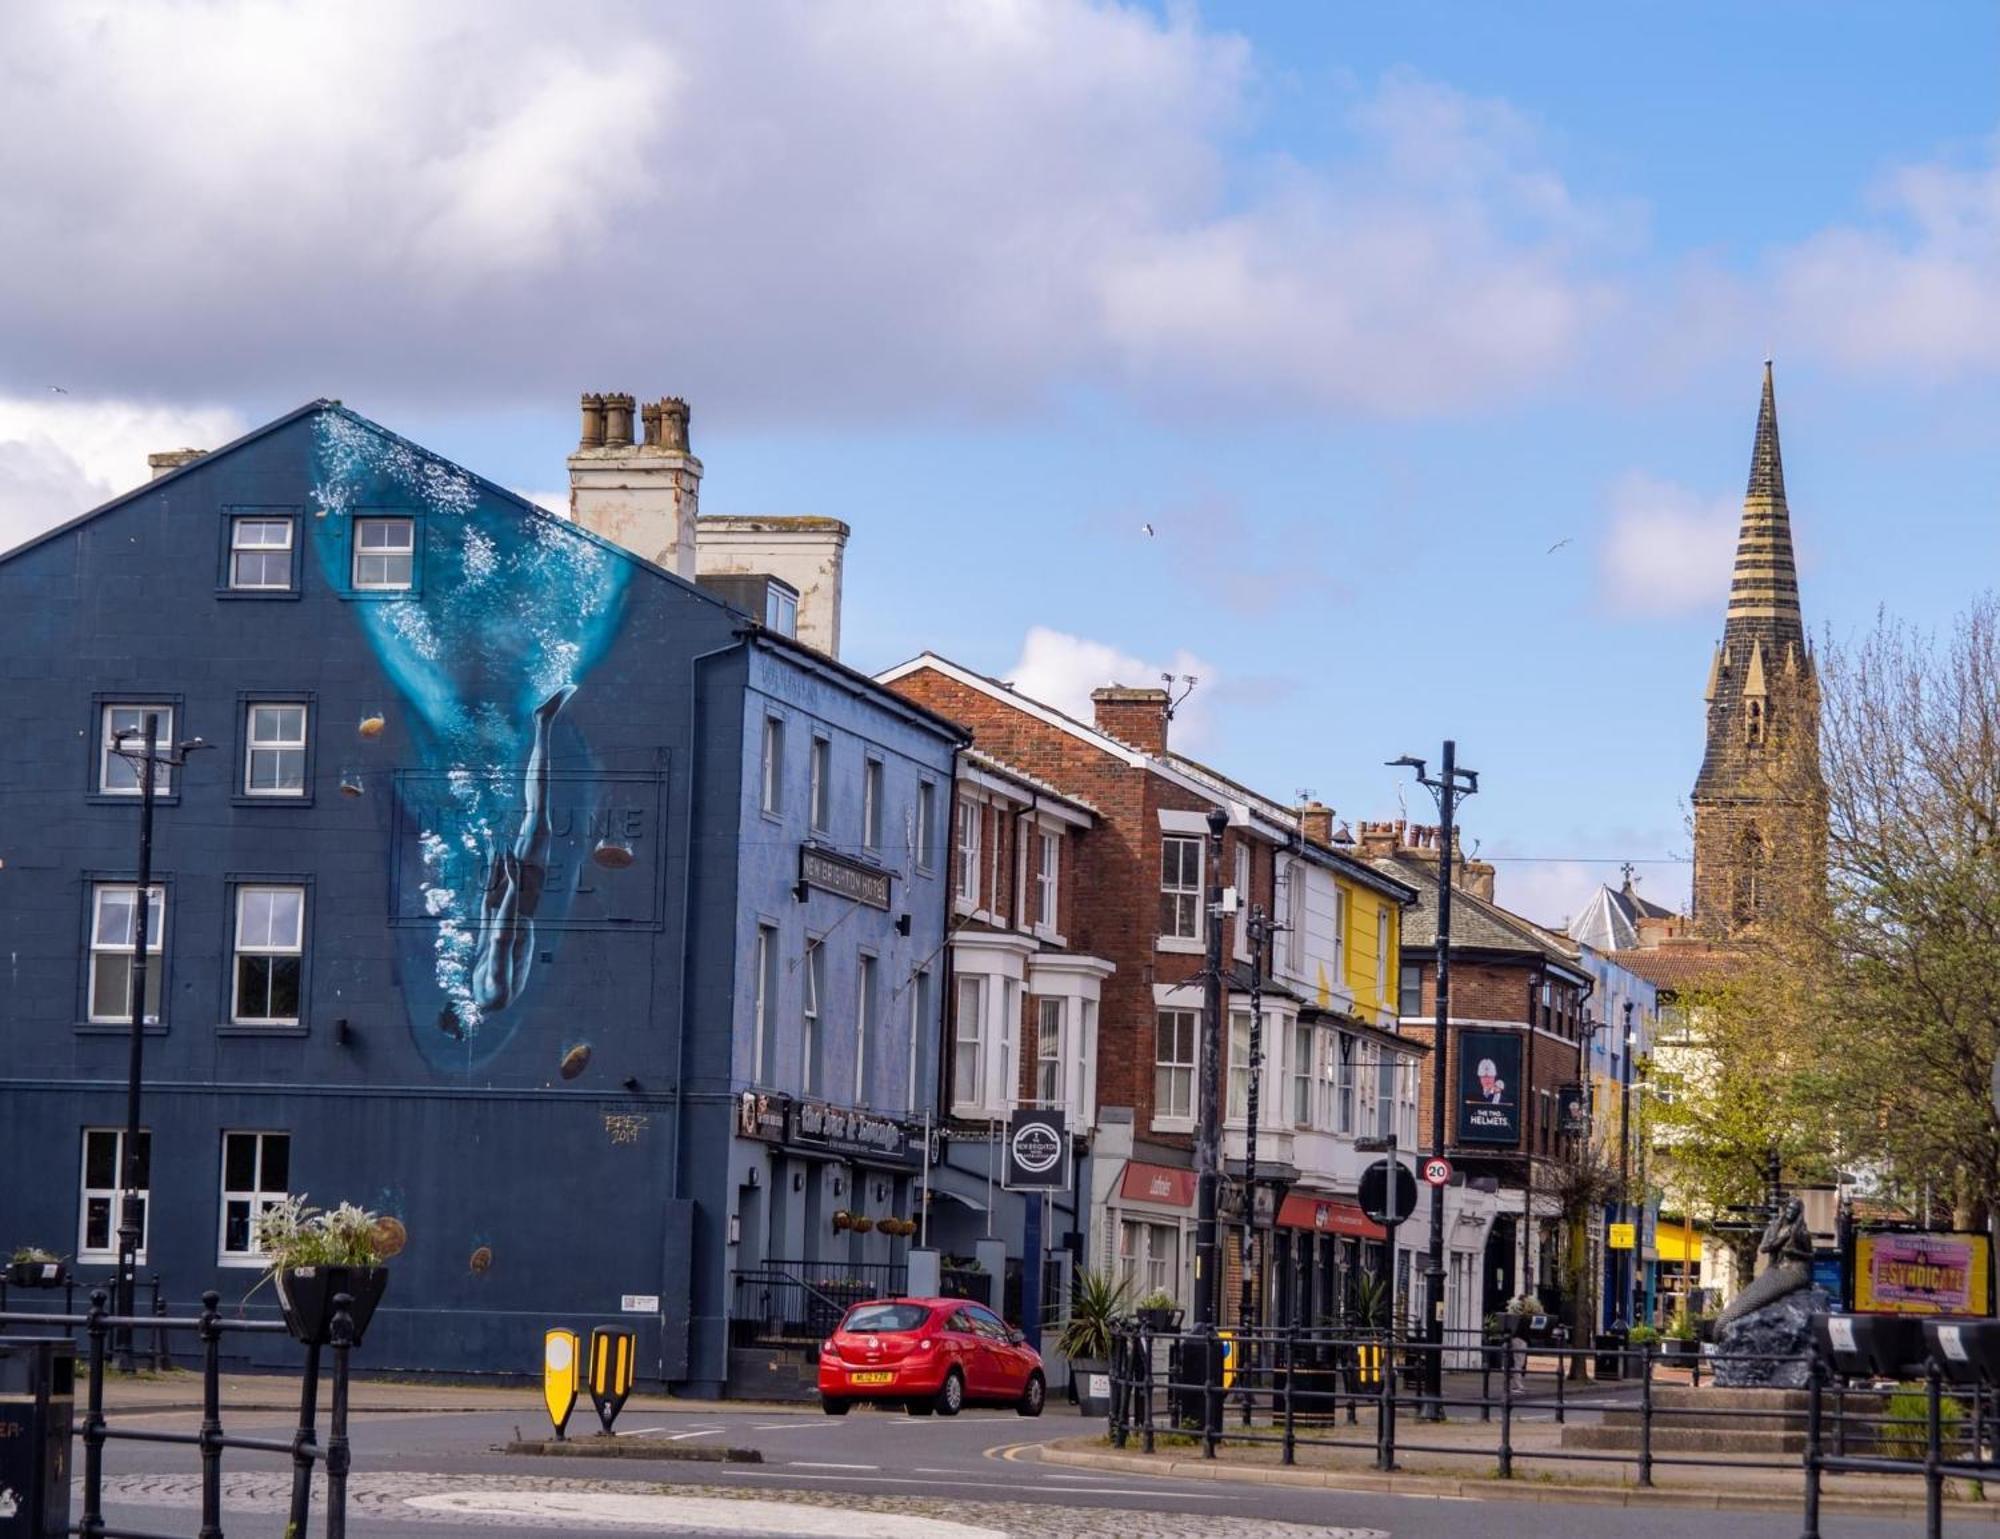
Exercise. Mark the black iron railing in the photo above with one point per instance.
(208, 1329)
(800, 1302)
(43, 1302)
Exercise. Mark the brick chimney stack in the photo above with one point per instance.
(1137, 717)
(1316, 823)
(168, 461)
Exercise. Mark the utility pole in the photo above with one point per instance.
(1208, 1119)
(1628, 1266)
(1451, 783)
(1259, 931)
(147, 758)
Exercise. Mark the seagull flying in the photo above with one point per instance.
(1559, 544)
(57, 390)
(1146, 530)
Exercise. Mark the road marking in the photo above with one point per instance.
(638, 1431)
(721, 1515)
(1160, 1492)
(816, 1464)
(785, 1426)
(678, 1437)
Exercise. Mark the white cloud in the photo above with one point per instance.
(794, 209)
(63, 455)
(1668, 550)
(549, 502)
(1061, 670)
(1917, 291)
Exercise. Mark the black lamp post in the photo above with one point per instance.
(1208, 1093)
(146, 759)
(1451, 783)
(1629, 1265)
(1259, 929)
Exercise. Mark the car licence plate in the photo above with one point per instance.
(871, 1378)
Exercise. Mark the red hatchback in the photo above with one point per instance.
(930, 1355)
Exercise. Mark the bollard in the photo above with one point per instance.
(1815, 1390)
(211, 1417)
(1486, 1381)
(1933, 1455)
(1211, 1393)
(1385, 1412)
(1507, 1421)
(1645, 1413)
(1146, 1390)
(92, 1525)
(1560, 1376)
(336, 1441)
(1291, 1356)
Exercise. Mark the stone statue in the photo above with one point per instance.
(1772, 1318)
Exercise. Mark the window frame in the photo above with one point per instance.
(968, 1046)
(1179, 892)
(258, 1198)
(1302, 1073)
(874, 802)
(925, 853)
(1051, 1068)
(238, 953)
(156, 950)
(1048, 877)
(165, 785)
(920, 994)
(771, 767)
(246, 760)
(812, 1019)
(114, 1194)
(819, 784)
(968, 837)
(867, 1010)
(781, 610)
(232, 519)
(1168, 1073)
(764, 1007)
(357, 551)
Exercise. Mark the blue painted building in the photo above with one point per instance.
(526, 891)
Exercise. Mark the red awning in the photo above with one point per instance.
(1329, 1215)
(1167, 1185)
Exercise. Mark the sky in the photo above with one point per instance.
(1426, 340)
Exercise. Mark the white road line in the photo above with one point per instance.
(816, 1464)
(678, 1437)
(785, 1426)
(640, 1431)
(1175, 1492)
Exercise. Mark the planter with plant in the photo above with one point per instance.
(1095, 1303)
(1158, 1312)
(315, 1257)
(1642, 1336)
(1680, 1341)
(32, 1267)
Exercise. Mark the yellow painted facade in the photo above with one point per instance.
(1373, 951)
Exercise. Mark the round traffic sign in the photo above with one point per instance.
(1437, 1171)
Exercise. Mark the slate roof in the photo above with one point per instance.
(1476, 923)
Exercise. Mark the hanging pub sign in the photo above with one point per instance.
(1923, 1274)
(1572, 1111)
(1037, 1151)
(1489, 1087)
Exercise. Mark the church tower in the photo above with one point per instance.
(1758, 804)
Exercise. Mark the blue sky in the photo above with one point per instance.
(1363, 309)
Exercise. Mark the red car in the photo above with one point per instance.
(930, 1355)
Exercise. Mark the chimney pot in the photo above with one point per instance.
(649, 424)
(1316, 822)
(617, 421)
(592, 436)
(671, 432)
(1134, 716)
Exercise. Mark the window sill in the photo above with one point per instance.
(243, 1263)
(250, 799)
(263, 1029)
(1173, 1124)
(131, 798)
(1179, 945)
(117, 1029)
(236, 594)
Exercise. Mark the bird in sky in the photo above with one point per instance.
(1559, 544)
(1146, 530)
(57, 390)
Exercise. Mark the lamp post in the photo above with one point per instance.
(1259, 929)
(1451, 783)
(1207, 1127)
(146, 759)
(1628, 1267)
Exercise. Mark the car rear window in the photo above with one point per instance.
(886, 1319)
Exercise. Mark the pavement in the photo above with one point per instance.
(429, 1464)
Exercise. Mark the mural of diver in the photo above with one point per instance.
(504, 951)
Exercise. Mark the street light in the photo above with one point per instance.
(145, 757)
(1629, 1265)
(1450, 783)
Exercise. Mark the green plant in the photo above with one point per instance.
(1642, 1336)
(1683, 1327)
(1906, 1424)
(1096, 1301)
(1371, 1299)
(1159, 1298)
(1494, 1326)
(291, 1234)
(34, 1255)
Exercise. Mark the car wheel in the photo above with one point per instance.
(1032, 1397)
(918, 1407)
(951, 1394)
(834, 1406)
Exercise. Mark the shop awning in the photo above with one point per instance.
(1329, 1215)
(1168, 1185)
(1676, 1244)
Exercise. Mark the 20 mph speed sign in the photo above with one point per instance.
(1437, 1171)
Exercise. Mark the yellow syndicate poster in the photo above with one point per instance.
(1923, 1274)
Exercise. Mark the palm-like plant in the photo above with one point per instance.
(1095, 1303)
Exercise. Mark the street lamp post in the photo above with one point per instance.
(1259, 931)
(147, 759)
(1207, 1128)
(1628, 1266)
(1450, 783)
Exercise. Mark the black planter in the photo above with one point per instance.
(1157, 1320)
(36, 1274)
(1682, 1351)
(306, 1295)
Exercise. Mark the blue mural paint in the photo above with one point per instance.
(508, 612)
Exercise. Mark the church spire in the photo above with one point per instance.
(1766, 582)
